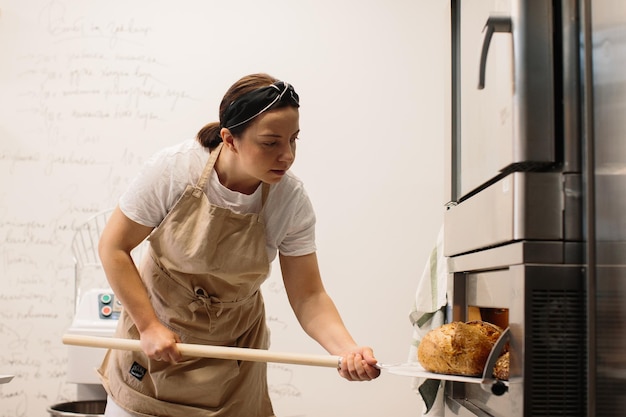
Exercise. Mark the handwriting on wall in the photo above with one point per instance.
(74, 81)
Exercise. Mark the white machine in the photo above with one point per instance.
(97, 314)
(96, 308)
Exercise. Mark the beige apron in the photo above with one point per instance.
(203, 275)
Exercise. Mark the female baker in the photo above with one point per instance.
(216, 210)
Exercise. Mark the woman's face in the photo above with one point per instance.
(267, 148)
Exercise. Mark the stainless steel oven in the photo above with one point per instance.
(514, 225)
(535, 220)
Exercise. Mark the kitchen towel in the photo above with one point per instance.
(429, 312)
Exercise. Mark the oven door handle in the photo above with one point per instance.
(494, 24)
(489, 383)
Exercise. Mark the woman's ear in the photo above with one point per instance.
(228, 138)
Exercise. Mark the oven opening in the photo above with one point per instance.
(497, 316)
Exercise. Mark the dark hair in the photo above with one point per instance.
(209, 135)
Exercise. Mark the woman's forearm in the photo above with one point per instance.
(320, 319)
(125, 282)
(119, 237)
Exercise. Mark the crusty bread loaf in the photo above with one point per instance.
(501, 368)
(458, 348)
(491, 331)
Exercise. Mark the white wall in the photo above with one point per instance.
(90, 88)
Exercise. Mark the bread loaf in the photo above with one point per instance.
(458, 348)
(501, 368)
(491, 331)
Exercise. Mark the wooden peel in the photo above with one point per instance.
(208, 351)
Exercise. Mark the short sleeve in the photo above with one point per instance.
(159, 184)
(299, 238)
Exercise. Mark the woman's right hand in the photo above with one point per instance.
(159, 343)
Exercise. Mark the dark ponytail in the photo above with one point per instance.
(209, 135)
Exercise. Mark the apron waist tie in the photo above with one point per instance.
(203, 299)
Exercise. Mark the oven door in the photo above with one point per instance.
(503, 95)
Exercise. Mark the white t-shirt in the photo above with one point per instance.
(289, 216)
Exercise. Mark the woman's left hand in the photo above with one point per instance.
(359, 365)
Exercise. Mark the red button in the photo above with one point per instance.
(106, 311)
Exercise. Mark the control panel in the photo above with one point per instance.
(109, 307)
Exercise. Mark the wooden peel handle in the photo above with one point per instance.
(208, 351)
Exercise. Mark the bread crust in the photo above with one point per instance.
(458, 348)
(501, 367)
(490, 330)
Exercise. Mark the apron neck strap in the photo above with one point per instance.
(209, 166)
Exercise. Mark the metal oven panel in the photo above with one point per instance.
(503, 90)
(521, 206)
(611, 332)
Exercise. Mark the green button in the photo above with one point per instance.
(105, 298)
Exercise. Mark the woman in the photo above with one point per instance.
(216, 211)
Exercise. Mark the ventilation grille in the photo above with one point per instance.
(555, 354)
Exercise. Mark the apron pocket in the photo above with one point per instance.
(200, 382)
(196, 382)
